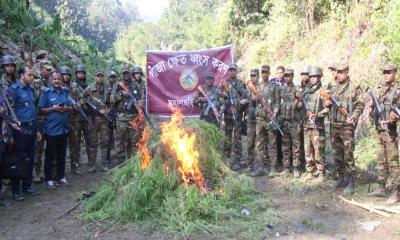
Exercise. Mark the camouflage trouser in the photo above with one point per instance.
(78, 127)
(251, 141)
(290, 147)
(300, 159)
(388, 160)
(237, 139)
(99, 131)
(314, 147)
(39, 159)
(343, 146)
(266, 144)
(127, 137)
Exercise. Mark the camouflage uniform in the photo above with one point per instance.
(206, 112)
(238, 93)
(314, 138)
(387, 152)
(251, 131)
(79, 125)
(266, 134)
(343, 142)
(127, 137)
(99, 129)
(288, 111)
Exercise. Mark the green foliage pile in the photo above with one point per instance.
(156, 197)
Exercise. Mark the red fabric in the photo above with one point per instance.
(173, 77)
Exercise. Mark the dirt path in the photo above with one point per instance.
(306, 211)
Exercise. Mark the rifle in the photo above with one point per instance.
(378, 110)
(395, 109)
(325, 95)
(307, 108)
(97, 111)
(14, 120)
(78, 108)
(264, 105)
(133, 101)
(231, 103)
(210, 103)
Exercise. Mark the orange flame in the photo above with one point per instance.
(141, 145)
(182, 144)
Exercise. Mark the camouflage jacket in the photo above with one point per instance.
(386, 96)
(214, 94)
(288, 110)
(100, 96)
(6, 81)
(348, 98)
(238, 92)
(312, 95)
(121, 102)
(79, 91)
(252, 106)
(271, 93)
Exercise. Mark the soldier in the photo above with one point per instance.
(387, 154)
(278, 80)
(314, 129)
(343, 127)
(99, 129)
(333, 71)
(289, 112)
(305, 78)
(80, 126)
(40, 84)
(112, 79)
(266, 134)
(251, 123)
(122, 97)
(9, 71)
(235, 96)
(213, 92)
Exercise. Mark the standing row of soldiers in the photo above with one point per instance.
(97, 110)
(278, 111)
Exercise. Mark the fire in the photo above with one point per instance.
(141, 145)
(182, 144)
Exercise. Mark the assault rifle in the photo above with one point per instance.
(231, 102)
(97, 111)
(325, 95)
(210, 103)
(264, 105)
(78, 108)
(378, 110)
(307, 108)
(134, 102)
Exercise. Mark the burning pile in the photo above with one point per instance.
(180, 184)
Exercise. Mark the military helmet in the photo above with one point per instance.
(315, 71)
(80, 68)
(8, 59)
(137, 69)
(305, 70)
(125, 69)
(65, 70)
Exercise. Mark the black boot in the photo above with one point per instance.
(350, 186)
(340, 182)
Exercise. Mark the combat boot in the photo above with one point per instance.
(340, 182)
(272, 173)
(260, 171)
(349, 189)
(379, 192)
(285, 173)
(393, 198)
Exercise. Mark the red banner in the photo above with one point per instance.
(173, 77)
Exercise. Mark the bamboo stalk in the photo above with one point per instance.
(365, 206)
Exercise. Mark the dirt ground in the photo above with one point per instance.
(307, 211)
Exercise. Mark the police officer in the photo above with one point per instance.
(343, 142)
(81, 90)
(121, 98)
(237, 92)
(314, 128)
(55, 105)
(99, 128)
(24, 106)
(214, 94)
(388, 153)
(9, 76)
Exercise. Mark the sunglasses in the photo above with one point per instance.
(264, 71)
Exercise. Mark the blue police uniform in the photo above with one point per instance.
(23, 102)
(55, 130)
